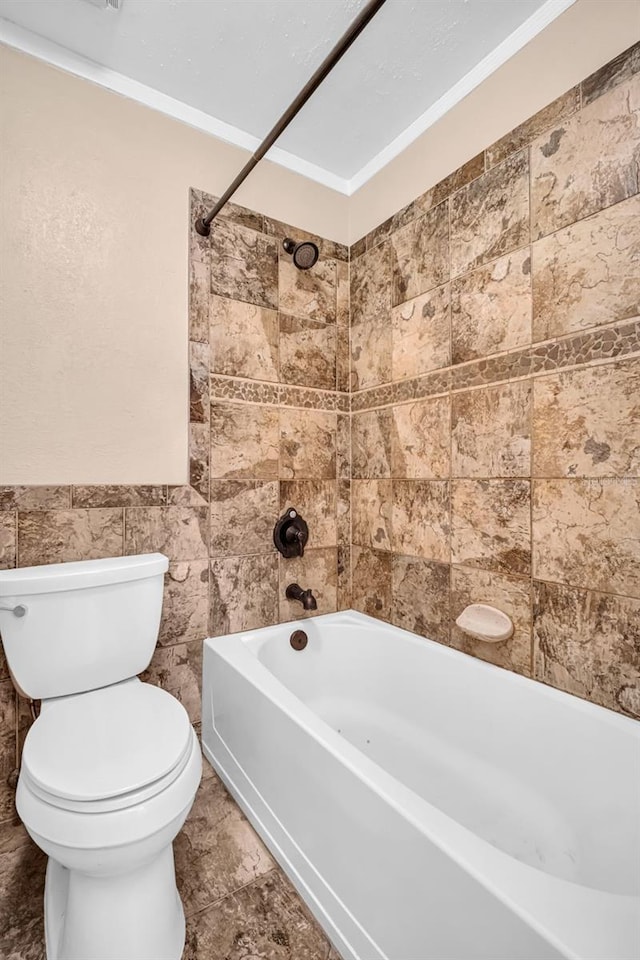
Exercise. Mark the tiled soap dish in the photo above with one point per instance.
(486, 623)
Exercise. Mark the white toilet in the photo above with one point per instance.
(111, 766)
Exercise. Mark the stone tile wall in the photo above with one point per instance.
(496, 398)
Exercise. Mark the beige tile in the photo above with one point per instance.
(371, 513)
(371, 582)
(588, 532)
(343, 447)
(421, 597)
(7, 749)
(553, 114)
(307, 444)
(513, 597)
(316, 502)
(420, 439)
(185, 610)
(588, 273)
(178, 670)
(420, 523)
(244, 441)
(243, 263)
(491, 308)
(244, 339)
(490, 216)
(371, 444)
(614, 72)
(243, 515)
(343, 359)
(8, 521)
(57, 536)
(119, 495)
(308, 353)
(371, 345)
(371, 285)
(587, 422)
(308, 293)
(181, 533)
(420, 255)
(35, 498)
(199, 294)
(344, 596)
(342, 293)
(421, 334)
(21, 895)
(263, 919)
(199, 454)
(244, 593)
(317, 571)
(589, 644)
(491, 525)
(198, 382)
(588, 162)
(491, 431)
(217, 851)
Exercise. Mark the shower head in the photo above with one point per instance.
(304, 254)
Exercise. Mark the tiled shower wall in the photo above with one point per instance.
(496, 405)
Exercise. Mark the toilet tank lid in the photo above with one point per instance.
(80, 574)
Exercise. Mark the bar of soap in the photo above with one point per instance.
(485, 623)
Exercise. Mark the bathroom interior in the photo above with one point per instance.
(320, 480)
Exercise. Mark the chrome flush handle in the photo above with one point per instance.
(18, 611)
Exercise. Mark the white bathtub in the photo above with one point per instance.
(426, 805)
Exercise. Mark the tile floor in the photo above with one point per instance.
(238, 903)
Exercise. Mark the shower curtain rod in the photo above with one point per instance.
(203, 224)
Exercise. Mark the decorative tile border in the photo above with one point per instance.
(273, 394)
(603, 343)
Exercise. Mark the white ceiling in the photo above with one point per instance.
(232, 66)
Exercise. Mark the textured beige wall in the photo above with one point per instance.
(587, 35)
(93, 342)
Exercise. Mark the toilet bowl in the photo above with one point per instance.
(108, 773)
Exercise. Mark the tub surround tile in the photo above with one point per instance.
(588, 162)
(307, 445)
(316, 502)
(420, 439)
(35, 498)
(343, 359)
(202, 202)
(199, 453)
(244, 264)
(243, 339)
(371, 346)
(420, 255)
(588, 273)
(8, 539)
(421, 525)
(596, 412)
(245, 391)
(198, 382)
(421, 334)
(244, 594)
(311, 399)
(328, 248)
(115, 495)
(185, 495)
(342, 294)
(308, 293)
(317, 570)
(490, 216)
(244, 441)
(178, 670)
(343, 447)
(371, 582)
(371, 444)
(185, 608)
(491, 308)
(243, 513)
(266, 919)
(199, 294)
(513, 597)
(588, 644)
(554, 113)
(606, 343)
(491, 525)
(621, 68)
(181, 533)
(371, 285)
(343, 512)
(421, 597)
(588, 532)
(371, 513)
(308, 352)
(57, 536)
(491, 431)
(216, 852)
(344, 578)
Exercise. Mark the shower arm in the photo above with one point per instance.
(203, 224)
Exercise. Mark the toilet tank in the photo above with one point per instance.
(71, 627)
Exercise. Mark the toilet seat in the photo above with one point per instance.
(107, 749)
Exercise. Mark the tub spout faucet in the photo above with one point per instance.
(306, 598)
